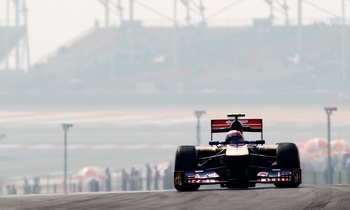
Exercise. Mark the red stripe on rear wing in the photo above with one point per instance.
(249, 125)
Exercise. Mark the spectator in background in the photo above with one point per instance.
(328, 175)
(9, 189)
(1, 186)
(80, 186)
(94, 185)
(26, 187)
(133, 180)
(13, 189)
(125, 179)
(139, 179)
(156, 178)
(108, 180)
(168, 177)
(347, 166)
(37, 187)
(148, 177)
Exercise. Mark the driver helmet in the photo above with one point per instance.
(237, 125)
(234, 137)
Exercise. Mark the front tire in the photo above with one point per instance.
(288, 158)
(185, 160)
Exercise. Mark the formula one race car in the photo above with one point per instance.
(235, 162)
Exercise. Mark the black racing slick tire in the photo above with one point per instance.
(185, 160)
(288, 158)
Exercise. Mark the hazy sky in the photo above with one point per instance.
(52, 23)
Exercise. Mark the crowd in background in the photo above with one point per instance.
(128, 179)
(11, 189)
(133, 181)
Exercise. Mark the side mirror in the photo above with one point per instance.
(211, 143)
(255, 142)
(260, 141)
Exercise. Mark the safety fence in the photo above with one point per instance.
(319, 178)
(93, 179)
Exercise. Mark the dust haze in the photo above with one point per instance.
(130, 81)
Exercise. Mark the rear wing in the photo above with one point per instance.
(224, 125)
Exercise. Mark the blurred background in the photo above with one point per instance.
(129, 74)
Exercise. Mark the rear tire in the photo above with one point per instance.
(288, 158)
(186, 160)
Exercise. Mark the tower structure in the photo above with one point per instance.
(14, 44)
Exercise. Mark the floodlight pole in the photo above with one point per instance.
(65, 128)
(329, 166)
(343, 48)
(299, 30)
(174, 44)
(198, 115)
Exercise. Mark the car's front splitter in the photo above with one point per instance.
(211, 177)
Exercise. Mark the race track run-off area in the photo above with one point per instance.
(261, 197)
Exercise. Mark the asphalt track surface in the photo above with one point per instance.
(261, 197)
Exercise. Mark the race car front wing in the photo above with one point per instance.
(211, 177)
